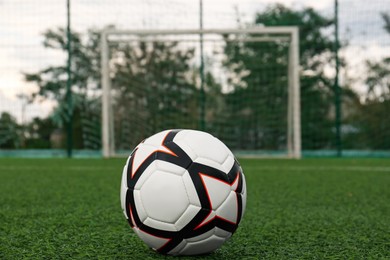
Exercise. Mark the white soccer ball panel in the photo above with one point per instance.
(217, 232)
(164, 196)
(148, 147)
(203, 145)
(243, 195)
(187, 216)
(225, 166)
(169, 167)
(180, 141)
(139, 205)
(204, 246)
(228, 209)
(152, 241)
(228, 163)
(222, 233)
(140, 155)
(124, 189)
(216, 190)
(145, 175)
(159, 224)
(191, 191)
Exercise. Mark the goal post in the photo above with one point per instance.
(283, 39)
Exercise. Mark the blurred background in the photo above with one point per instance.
(164, 83)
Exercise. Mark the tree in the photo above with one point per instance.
(376, 107)
(261, 70)
(10, 132)
(371, 116)
(51, 82)
(38, 132)
(150, 80)
(153, 89)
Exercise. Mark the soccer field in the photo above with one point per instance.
(312, 208)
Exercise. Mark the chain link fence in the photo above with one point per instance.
(33, 62)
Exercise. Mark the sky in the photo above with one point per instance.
(22, 23)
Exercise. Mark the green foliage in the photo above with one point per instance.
(386, 19)
(38, 133)
(376, 109)
(369, 117)
(378, 81)
(85, 66)
(373, 112)
(155, 86)
(262, 67)
(153, 90)
(373, 125)
(308, 209)
(34, 135)
(85, 74)
(10, 132)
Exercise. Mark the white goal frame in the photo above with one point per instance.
(272, 33)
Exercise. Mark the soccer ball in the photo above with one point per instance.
(183, 192)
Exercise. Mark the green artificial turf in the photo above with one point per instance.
(313, 208)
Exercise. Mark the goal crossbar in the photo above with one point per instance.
(277, 33)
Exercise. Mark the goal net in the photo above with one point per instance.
(241, 85)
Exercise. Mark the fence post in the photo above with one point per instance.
(106, 145)
(202, 98)
(69, 85)
(337, 89)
